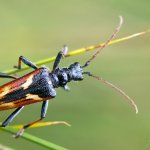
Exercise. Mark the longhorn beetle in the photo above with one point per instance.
(40, 84)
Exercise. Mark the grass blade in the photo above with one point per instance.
(34, 139)
(77, 51)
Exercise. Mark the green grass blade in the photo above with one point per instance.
(34, 139)
(3, 147)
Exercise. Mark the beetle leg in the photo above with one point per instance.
(25, 61)
(59, 57)
(4, 75)
(12, 116)
(43, 114)
(57, 60)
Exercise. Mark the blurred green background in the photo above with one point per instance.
(100, 118)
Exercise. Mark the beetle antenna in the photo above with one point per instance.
(117, 89)
(106, 43)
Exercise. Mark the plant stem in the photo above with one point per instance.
(35, 139)
(76, 52)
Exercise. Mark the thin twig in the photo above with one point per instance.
(76, 52)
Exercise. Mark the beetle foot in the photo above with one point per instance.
(16, 67)
(19, 133)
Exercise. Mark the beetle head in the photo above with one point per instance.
(75, 72)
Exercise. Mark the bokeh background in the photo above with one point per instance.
(100, 118)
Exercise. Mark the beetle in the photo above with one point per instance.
(40, 84)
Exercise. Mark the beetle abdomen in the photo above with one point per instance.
(33, 87)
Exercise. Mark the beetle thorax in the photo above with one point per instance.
(60, 77)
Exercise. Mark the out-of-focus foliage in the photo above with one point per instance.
(99, 117)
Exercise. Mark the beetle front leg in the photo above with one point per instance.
(43, 114)
(59, 57)
(25, 61)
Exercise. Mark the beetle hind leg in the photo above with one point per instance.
(11, 116)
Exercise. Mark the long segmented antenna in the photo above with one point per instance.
(106, 43)
(117, 89)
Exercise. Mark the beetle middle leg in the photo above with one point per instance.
(25, 61)
(43, 114)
